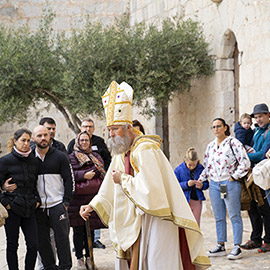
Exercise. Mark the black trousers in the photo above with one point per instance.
(80, 241)
(259, 217)
(56, 218)
(29, 229)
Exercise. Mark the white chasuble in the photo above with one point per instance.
(153, 203)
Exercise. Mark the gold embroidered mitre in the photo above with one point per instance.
(117, 103)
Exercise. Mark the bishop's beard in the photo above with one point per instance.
(119, 145)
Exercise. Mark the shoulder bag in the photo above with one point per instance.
(246, 181)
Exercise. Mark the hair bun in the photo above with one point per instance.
(191, 154)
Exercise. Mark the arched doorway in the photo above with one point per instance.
(229, 63)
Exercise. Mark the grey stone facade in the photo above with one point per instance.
(239, 37)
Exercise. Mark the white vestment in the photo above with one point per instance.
(156, 232)
(150, 203)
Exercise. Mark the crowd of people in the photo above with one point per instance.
(228, 159)
(42, 188)
(46, 189)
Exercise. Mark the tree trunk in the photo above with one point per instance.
(72, 122)
(72, 119)
(165, 130)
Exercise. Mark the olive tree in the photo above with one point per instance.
(73, 71)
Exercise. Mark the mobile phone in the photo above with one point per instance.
(223, 191)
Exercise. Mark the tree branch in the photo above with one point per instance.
(65, 114)
(74, 122)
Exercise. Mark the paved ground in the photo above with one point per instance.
(104, 259)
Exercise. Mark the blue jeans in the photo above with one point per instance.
(97, 235)
(233, 204)
(268, 195)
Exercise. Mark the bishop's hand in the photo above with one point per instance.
(116, 176)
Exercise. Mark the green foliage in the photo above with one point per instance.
(176, 53)
(73, 71)
(28, 68)
(95, 56)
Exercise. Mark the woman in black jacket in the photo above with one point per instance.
(18, 180)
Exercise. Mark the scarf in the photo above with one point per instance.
(24, 154)
(85, 156)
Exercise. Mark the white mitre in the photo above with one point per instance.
(117, 103)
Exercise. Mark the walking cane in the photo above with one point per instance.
(91, 255)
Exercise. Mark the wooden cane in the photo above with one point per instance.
(91, 255)
(134, 265)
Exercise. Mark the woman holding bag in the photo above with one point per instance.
(225, 191)
(89, 172)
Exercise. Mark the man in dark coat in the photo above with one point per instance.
(55, 188)
(50, 124)
(259, 214)
(98, 144)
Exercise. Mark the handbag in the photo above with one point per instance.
(245, 177)
(246, 182)
(3, 215)
(88, 187)
(261, 174)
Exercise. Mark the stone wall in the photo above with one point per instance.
(249, 22)
(245, 22)
(69, 14)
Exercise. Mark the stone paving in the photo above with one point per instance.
(104, 259)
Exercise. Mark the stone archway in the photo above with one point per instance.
(228, 69)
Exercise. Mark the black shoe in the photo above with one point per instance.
(98, 244)
(250, 244)
(219, 250)
(235, 254)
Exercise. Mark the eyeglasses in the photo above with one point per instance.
(87, 126)
(84, 140)
(216, 127)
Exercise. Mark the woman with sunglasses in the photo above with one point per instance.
(225, 162)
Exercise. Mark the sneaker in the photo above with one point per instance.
(81, 264)
(250, 244)
(235, 254)
(219, 250)
(264, 248)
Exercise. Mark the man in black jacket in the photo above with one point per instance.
(55, 187)
(98, 144)
(50, 124)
